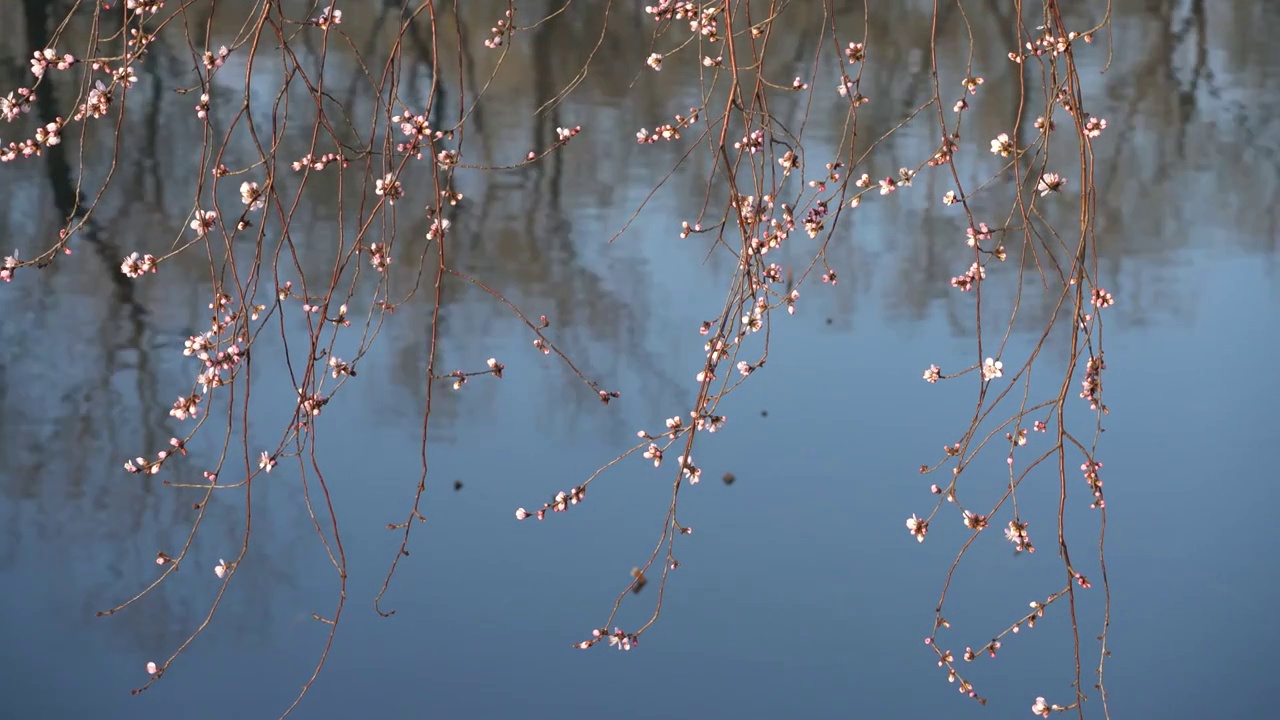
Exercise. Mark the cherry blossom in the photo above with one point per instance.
(992, 369)
(1003, 146)
(918, 527)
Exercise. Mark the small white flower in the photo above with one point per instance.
(387, 186)
(329, 16)
(204, 222)
(1002, 145)
(918, 527)
(251, 195)
(1050, 183)
(221, 568)
(992, 369)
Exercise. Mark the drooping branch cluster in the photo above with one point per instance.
(769, 199)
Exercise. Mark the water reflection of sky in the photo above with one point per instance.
(799, 595)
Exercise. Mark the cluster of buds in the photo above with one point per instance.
(1092, 383)
(702, 21)
(317, 162)
(965, 282)
(708, 422)
(1037, 611)
(617, 639)
(417, 128)
(1090, 470)
(389, 187)
(669, 131)
(673, 10)
(460, 377)
(500, 32)
(141, 7)
(51, 133)
(42, 60)
(654, 453)
(96, 104)
(135, 265)
(439, 227)
(14, 105)
(213, 62)
(891, 184)
(1048, 44)
(950, 144)
(311, 403)
(143, 466)
(970, 654)
(751, 143)
(1016, 533)
(815, 219)
(25, 148)
(187, 406)
(559, 503)
(216, 364)
(1100, 298)
(329, 16)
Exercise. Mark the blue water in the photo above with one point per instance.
(799, 594)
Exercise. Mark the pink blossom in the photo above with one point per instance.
(1050, 183)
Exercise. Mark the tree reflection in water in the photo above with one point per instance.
(585, 235)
